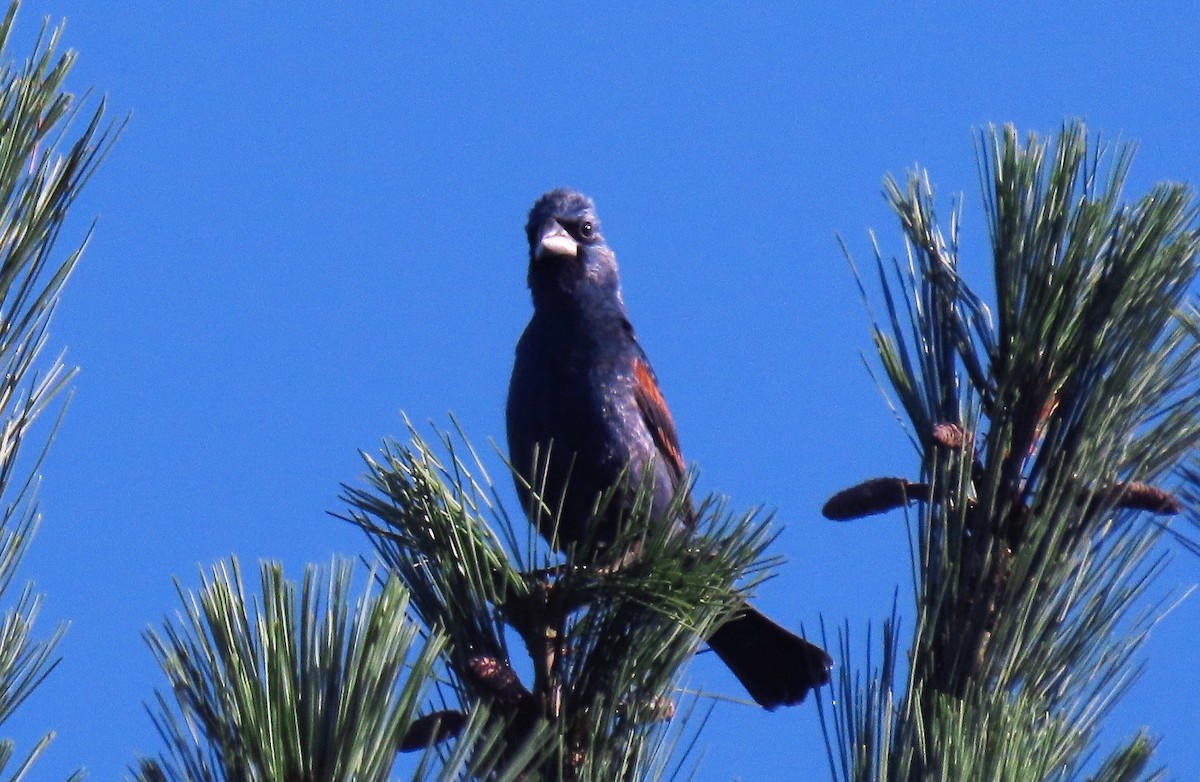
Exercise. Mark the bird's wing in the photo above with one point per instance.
(658, 419)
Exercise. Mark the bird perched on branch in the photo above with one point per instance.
(582, 386)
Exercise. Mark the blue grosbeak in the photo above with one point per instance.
(582, 386)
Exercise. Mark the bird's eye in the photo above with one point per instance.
(587, 230)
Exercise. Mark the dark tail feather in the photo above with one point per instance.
(776, 667)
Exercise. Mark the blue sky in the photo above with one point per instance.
(314, 222)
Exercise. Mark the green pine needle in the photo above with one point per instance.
(45, 160)
(287, 684)
(607, 639)
(1075, 390)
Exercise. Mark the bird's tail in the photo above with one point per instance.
(777, 667)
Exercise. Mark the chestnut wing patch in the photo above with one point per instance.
(658, 419)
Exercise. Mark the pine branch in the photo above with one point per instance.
(286, 685)
(45, 160)
(606, 640)
(1044, 432)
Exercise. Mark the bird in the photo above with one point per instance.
(583, 389)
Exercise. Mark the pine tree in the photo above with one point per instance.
(43, 165)
(606, 641)
(287, 685)
(1046, 427)
(1050, 430)
(266, 687)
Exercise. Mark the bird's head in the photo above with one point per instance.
(568, 256)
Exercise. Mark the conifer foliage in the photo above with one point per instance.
(1052, 428)
(603, 642)
(286, 684)
(44, 162)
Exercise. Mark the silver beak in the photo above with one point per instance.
(555, 241)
